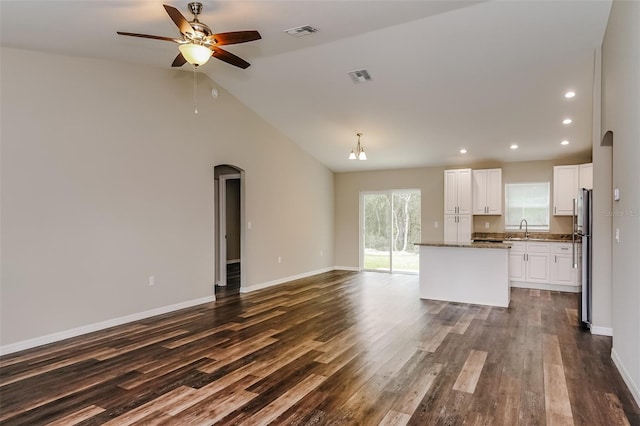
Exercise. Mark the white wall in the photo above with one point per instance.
(621, 112)
(107, 178)
(601, 322)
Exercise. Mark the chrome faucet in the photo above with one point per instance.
(526, 228)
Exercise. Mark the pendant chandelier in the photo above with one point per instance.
(358, 153)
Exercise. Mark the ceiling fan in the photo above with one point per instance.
(198, 43)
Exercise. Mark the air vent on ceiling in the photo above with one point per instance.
(360, 76)
(301, 31)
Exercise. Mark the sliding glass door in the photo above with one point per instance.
(390, 225)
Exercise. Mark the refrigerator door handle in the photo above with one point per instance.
(574, 218)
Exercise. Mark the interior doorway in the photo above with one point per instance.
(229, 210)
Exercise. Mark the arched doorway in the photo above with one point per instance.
(229, 241)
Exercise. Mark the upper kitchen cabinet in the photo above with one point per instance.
(487, 192)
(585, 176)
(457, 191)
(566, 182)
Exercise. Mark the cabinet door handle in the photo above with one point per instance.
(555, 259)
(555, 209)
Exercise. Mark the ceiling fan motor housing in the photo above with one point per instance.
(195, 8)
(201, 30)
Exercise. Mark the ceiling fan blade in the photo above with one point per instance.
(183, 25)
(179, 61)
(150, 36)
(229, 58)
(235, 37)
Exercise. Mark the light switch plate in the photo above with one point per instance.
(616, 194)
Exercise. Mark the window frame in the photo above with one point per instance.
(531, 226)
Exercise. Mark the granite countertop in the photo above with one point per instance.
(489, 245)
(519, 236)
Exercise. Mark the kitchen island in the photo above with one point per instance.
(475, 273)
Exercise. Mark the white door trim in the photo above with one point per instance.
(222, 230)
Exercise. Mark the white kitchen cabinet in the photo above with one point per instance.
(585, 176)
(542, 265)
(562, 271)
(529, 262)
(565, 189)
(457, 229)
(457, 206)
(487, 192)
(538, 267)
(457, 191)
(517, 265)
(566, 182)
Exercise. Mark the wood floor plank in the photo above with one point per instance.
(471, 370)
(556, 396)
(435, 340)
(393, 418)
(286, 400)
(414, 392)
(337, 348)
(77, 417)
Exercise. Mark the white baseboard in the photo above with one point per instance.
(346, 268)
(90, 328)
(601, 331)
(633, 387)
(285, 280)
(551, 287)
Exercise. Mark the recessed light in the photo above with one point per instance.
(514, 146)
(569, 94)
(564, 142)
(567, 121)
(463, 151)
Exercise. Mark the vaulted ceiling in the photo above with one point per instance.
(446, 75)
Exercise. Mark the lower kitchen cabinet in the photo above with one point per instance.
(529, 261)
(562, 270)
(517, 265)
(544, 265)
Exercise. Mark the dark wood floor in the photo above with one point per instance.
(337, 348)
(233, 282)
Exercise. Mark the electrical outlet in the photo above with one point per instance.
(321, 252)
(435, 224)
(617, 235)
(249, 225)
(279, 259)
(152, 280)
(486, 225)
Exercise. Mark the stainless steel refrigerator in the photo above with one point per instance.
(582, 251)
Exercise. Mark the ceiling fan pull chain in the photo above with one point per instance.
(195, 98)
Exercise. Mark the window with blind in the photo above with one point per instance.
(528, 201)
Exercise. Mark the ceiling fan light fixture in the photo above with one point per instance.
(195, 54)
